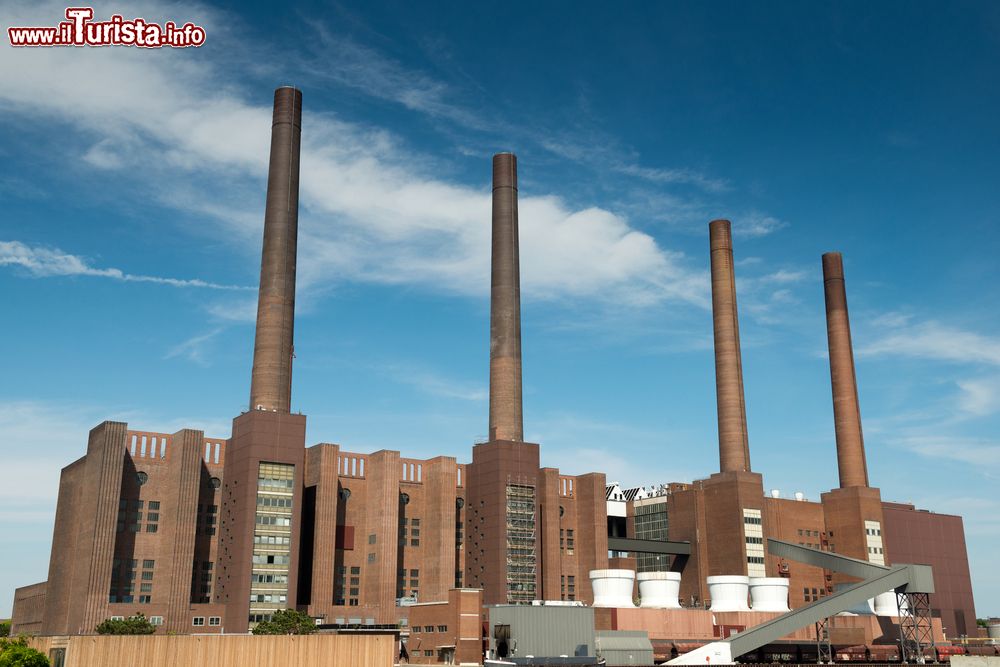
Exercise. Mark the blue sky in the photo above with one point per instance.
(132, 192)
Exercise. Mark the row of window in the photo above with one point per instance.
(130, 599)
(259, 578)
(269, 520)
(429, 628)
(271, 539)
(268, 501)
(752, 520)
(199, 621)
(875, 550)
(124, 503)
(270, 559)
(808, 533)
(873, 531)
(279, 598)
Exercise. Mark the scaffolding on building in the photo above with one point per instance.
(520, 543)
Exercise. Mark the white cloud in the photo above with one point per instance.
(47, 262)
(194, 348)
(755, 224)
(674, 176)
(978, 452)
(433, 383)
(979, 396)
(370, 213)
(934, 341)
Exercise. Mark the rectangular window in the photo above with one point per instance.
(146, 588)
(371, 558)
(371, 539)
(150, 527)
(215, 620)
(442, 628)
(144, 599)
(156, 620)
(198, 620)
(154, 505)
(148, 564)
(414, 543)
(147, 576)
(355, 570)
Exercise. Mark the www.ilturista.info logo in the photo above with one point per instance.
(80, 30)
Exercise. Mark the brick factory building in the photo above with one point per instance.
(212, 535)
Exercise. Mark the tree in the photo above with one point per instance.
(133, 625)
(4, 628)
(287, 622)
(17, 653)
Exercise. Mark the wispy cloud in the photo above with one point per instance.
(48, 262)
(932, 340)
(683, 176)
(979, 396)
(433, 383)
(194, 348)
(756, 224)
(370, 213)
(979, 452)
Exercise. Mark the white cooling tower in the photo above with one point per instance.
(728, 592)
(612, 588)
(886, 604)
(866, 608)
(659, 589)
(769, 594)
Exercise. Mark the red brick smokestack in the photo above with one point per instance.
(271, 382)
(505, 306)
(846, 411)
(734, 449)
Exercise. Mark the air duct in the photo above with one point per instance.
(886, 604)
(866, 608)
(612, 588)
(728, 592)
(769, 594)
(659, 590)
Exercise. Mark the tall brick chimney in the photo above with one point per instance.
(734, 450)
(505, 306)
(271, 382)
(846, 411)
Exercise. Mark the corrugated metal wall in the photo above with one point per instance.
(546, 631)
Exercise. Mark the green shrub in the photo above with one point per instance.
(133, 625)
(287, 622)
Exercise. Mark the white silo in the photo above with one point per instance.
(769, 594)
(659, 590)
(612, 588)
(728, 592)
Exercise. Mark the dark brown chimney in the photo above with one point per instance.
(271, 382)
(734, 449)
(505, 306)
(846, 411)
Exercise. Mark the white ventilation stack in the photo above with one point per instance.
(886, 604)
(775, 493)
(866, 608)
(659, 590)
(728, 592)
(612, 588)
(769, 594)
